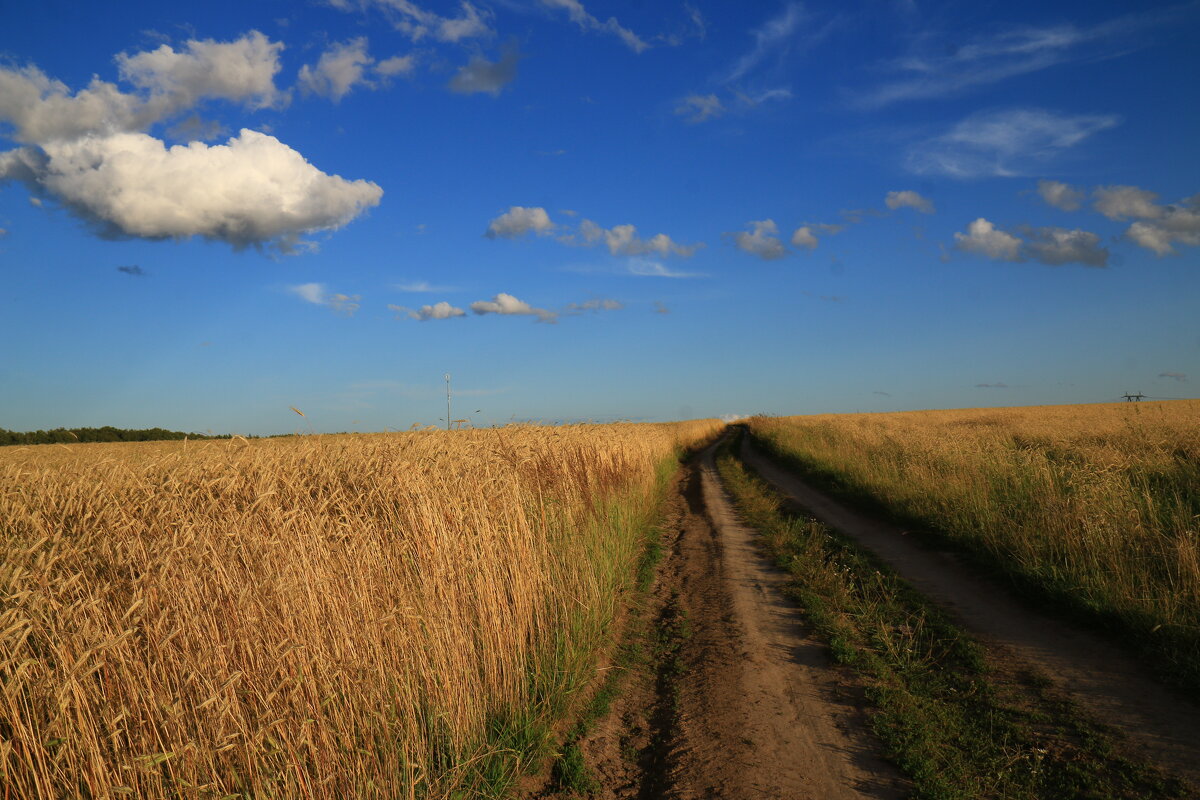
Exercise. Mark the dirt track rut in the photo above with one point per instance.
(1102, 679)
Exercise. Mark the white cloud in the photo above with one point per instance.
(622, 240)
(804, 237)
(418, 23)
(504, 303)
(422, 286)
(1126, 202)
(1158, 227)
(647, 268)
(442, 310)
(597, 304)
(908, 199)
(1060, 195)
(518, 221)
(1061, 246)
(982, 238)
(253, 190)
(337, 71)
(482, 76)
(774, 36)
(1047, 245)
(85, 149)
(242, 70)
(342, 304)
(762, 241)
(580, 16)
(41, 109)
(1004, 143)
(941, 67)
(699, 108)
(396, 65)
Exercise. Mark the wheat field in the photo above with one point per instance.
(390, 615)
(1096, 506)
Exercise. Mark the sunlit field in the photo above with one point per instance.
(391, 615)
(1094, 506)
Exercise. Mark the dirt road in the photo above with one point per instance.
(756, 709)
(1102, 679)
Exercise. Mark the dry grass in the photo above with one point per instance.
(396, 615)
(1096, 505)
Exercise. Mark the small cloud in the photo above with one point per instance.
(883, 394)
(661, 308)
(442, 310)
(338, 70)
(762, 241)
(700, 108)
(983, 238)
(422, 286)
(506, 304)
(482, 76)
(908, 199)
(622, 240)
(645, 267)
(1175, 376)
(598, 304)
(36, 202)
(518, 221)
(1126, 202)
(1060, 195)
(396, 65)
(1061, 246)
(342, 304)
(804, 237)
(132, 269)
(991, 386)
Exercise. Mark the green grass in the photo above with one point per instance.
(957, 730)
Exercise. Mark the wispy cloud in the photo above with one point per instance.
(1175, 376)
(645, 267)
(580, 16)
(700, 107)
(343, 305)
(1007, 142)
(419, 23)
(422, 287)
(593, 305)
(660, 308)
(938, 66)
(131, 269)
(996, 385)
(772, 39)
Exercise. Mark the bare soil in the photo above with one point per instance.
(744, 703)
(1103, 680)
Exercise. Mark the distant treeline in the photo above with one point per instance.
(105, 434)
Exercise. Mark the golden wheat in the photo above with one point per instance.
(1096, 503)
(320, 616)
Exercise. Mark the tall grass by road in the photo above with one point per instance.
(1094, 507)
(396, 615)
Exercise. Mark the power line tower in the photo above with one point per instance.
(1132, 398)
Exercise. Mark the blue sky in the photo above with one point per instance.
(591, 210)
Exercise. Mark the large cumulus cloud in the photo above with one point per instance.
(91, 150)
(253, 189)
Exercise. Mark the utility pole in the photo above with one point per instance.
(447, 377)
